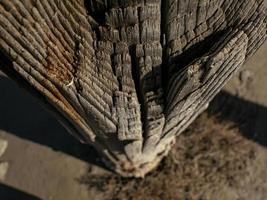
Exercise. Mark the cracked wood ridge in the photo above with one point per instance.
(128, 76)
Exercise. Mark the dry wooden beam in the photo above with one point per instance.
(128, 76)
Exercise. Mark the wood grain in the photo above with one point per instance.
(128, 76)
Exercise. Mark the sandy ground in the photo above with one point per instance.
(222, 155)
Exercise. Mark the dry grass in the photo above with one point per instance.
(211, 157)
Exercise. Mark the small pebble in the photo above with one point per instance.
(3, 146)
(245, 76)
(3, 170)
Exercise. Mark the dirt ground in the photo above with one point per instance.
(222, 155)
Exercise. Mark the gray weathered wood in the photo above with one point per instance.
(128, 76)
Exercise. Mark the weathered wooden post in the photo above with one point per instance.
(128, 76)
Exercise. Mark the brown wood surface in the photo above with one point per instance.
(128, 76)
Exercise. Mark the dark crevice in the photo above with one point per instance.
(164, 65)
(96, 9)
(137, 83)
(195, 51)
(76, 64)
(76, 57)
(137, 80)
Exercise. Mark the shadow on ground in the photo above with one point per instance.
(249, 117)
(23, 116)
(10, 193)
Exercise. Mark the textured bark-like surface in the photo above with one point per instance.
(128, 76)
